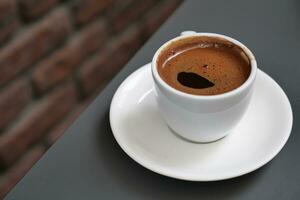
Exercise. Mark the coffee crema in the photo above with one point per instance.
(203, 65)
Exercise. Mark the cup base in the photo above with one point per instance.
(195, 141)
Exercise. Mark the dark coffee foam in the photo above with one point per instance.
(203, 65)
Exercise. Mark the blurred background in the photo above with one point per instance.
(55, 57)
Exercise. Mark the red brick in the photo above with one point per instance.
(93, 37)
(12, 100)
(95, 72)
(8, 20)
(118, 6)
(8, 29)
(63, 62)
(29, 130)
(158, 15)
(128, 15)
(16, 172)
(33, 44)
(60, 128)
(129, 41)
(56, 67)
(32, 9)
(85, 10)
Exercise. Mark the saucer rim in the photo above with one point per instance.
(159, 170)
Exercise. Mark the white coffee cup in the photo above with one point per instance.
(200, 118)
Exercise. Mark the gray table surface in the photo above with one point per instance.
(87, 163)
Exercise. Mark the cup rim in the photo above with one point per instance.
(233, 92)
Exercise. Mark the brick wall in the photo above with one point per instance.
(55, 56)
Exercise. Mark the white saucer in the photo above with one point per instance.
(140, 131)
